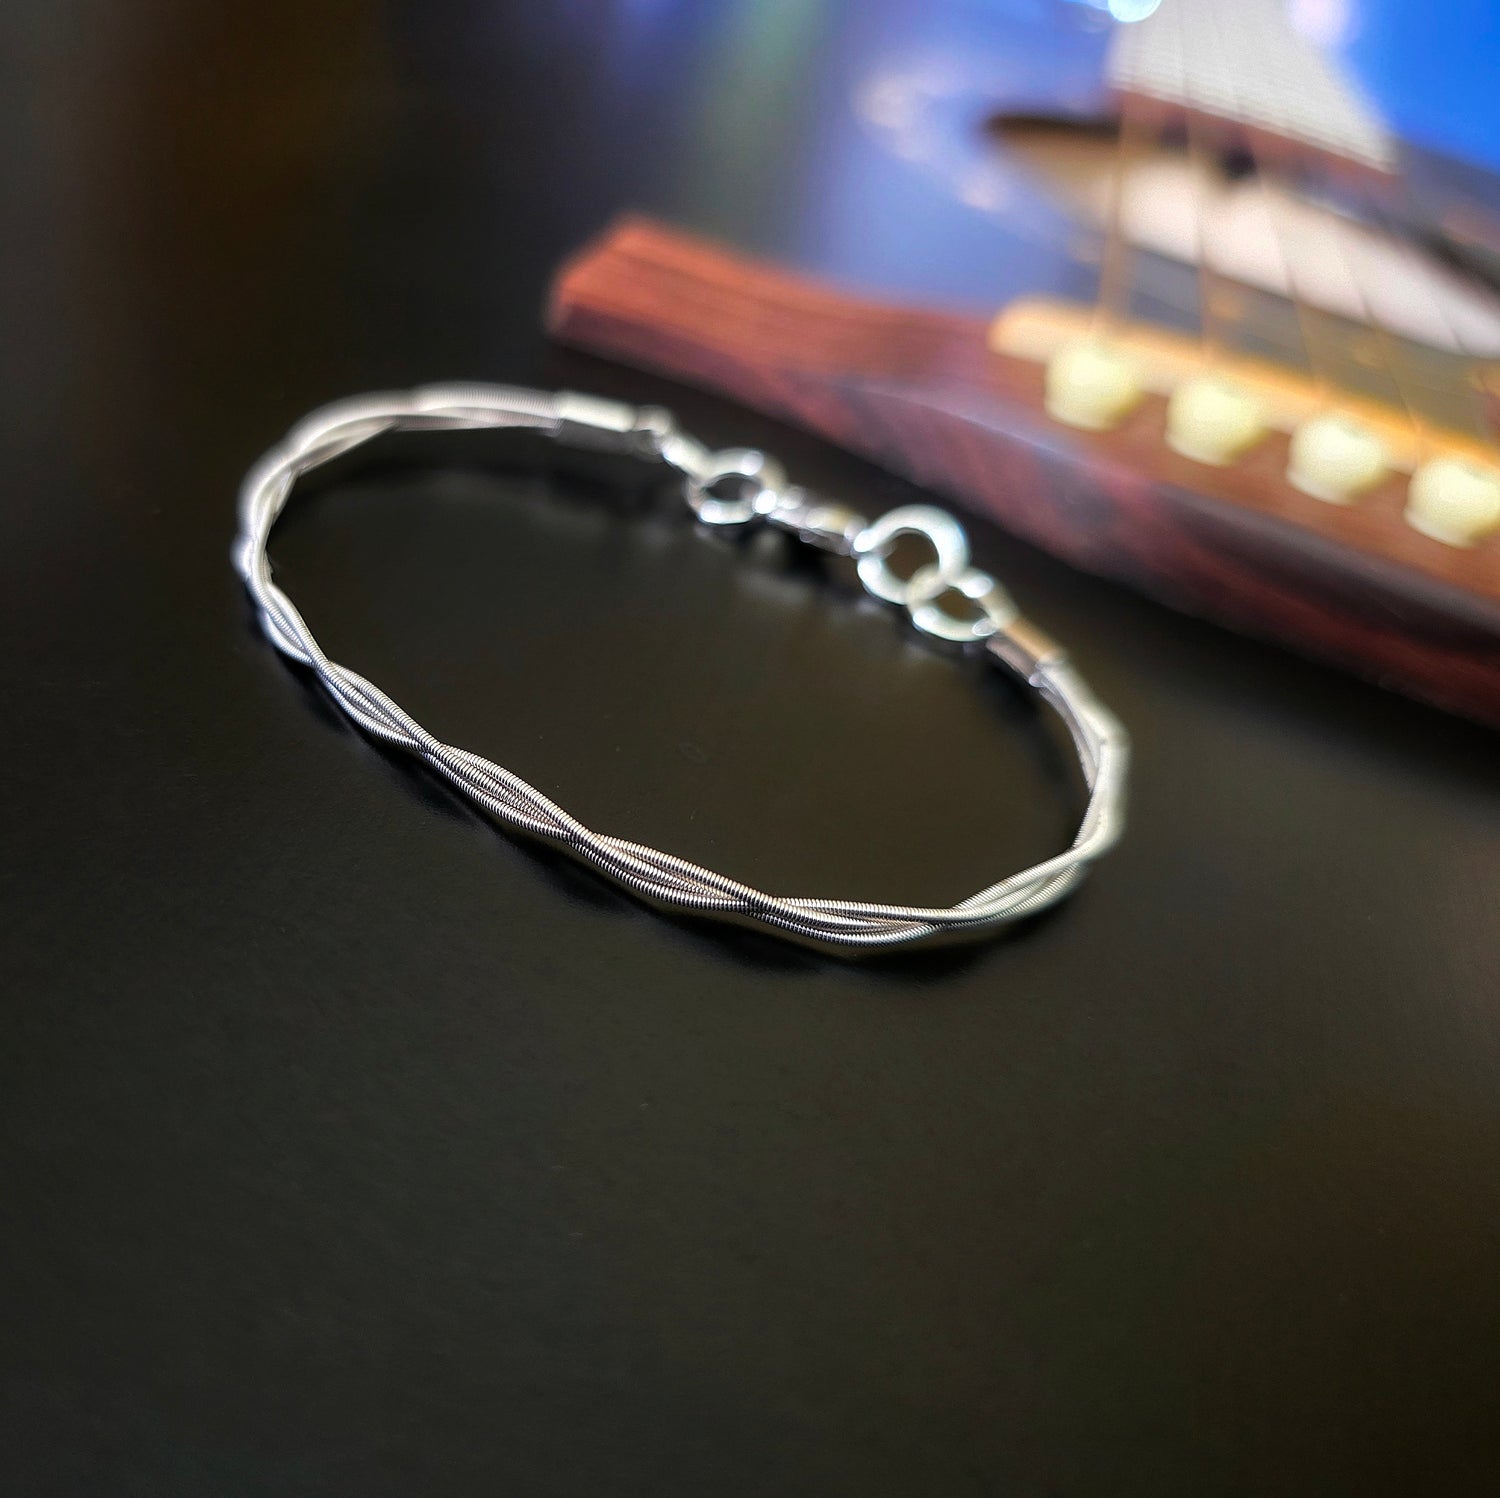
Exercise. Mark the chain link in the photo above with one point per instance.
(760, 493)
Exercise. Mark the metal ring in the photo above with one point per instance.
(1101, 743)
(763, 479)
(873, 544)
(927, 585)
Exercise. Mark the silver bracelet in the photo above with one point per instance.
(736, 487)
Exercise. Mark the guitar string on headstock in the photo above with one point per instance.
(1230, 84)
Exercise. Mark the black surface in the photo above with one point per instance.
(351, 1147)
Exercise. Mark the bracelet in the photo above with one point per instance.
(737, 487)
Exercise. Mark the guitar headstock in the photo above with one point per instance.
(1236, 149)
(1265, 398)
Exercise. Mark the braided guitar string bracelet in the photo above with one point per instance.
(736, 487)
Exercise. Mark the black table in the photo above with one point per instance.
(350, 1146)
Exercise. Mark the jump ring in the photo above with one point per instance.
(873, 544)
(927, 585)
(761, 480)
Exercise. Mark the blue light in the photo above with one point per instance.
(1132, 10)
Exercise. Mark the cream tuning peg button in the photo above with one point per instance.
(1091, 385)
(1453, 501)
(1333, 458)
(1212, 421)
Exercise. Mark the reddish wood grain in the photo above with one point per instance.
(919, 392)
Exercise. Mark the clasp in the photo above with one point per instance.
(922, 593)
(873, 544)
(994, 609)
(817, 522)
(1025, 649)
(757, 479)
(761, 492)
(587, 421)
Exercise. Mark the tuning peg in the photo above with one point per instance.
(1453, 501)
(1335, 459)
(1091, 385)
(1212, 421)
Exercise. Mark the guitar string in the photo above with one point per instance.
(1326, 385)
(1469, 396)
(1112, 308)
(1387, 351)
(1387, 345)
(1208, 196)
(1302, 307)
(1208, 207)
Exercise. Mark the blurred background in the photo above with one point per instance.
(351, 1148)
